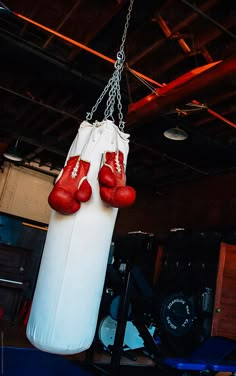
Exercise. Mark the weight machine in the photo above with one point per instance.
(136, 304)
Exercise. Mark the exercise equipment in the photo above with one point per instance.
(177, 314)
(70, 282)
(179, 318)
(145, 328)
(188, 272)
(132, 339)
(211, 356)
(214, 354)
(68, 292)
(132, 326)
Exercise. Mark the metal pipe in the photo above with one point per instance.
(43, 171)
(181, 26)
(31, 141)
(181, 91)
(46, 56)
(214, 22)
(218, 116)
(169, 35)
(80, 45)
(62, 23)
(47, 106)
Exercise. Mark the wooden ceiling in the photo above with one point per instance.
(184, 49)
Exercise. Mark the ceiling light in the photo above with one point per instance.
(176, 134)
(12, 154)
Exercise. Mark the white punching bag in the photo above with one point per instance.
(70, 282)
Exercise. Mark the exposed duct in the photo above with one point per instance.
(182, 90)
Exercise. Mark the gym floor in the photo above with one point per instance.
(13, 335)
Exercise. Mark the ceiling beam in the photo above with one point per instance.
(27, 46)
(62, 23)
(80, 45)
(177, 28)
(108, 12)
(208, 18)
(202, 40)
(170, 96)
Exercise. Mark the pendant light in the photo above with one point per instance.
(12, 154)
(176, 133)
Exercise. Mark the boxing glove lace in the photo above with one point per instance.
(112, 181)
(71, 188)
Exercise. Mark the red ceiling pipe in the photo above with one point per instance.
(182, 90)
(218, 116)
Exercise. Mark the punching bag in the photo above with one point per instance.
(70, 282)
(85, 201)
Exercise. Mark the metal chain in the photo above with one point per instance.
(113, 85)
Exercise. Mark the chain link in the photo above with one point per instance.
(113, 85)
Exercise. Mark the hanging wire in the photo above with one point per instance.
(149, 86)
(194, 106)
(128, 87)
(113, 85)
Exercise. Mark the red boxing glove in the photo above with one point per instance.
(112, 181)
(71, 188)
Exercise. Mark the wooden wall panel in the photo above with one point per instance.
(25, 193)
(224, 316)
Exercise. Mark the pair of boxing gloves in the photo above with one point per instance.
(72, 187)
